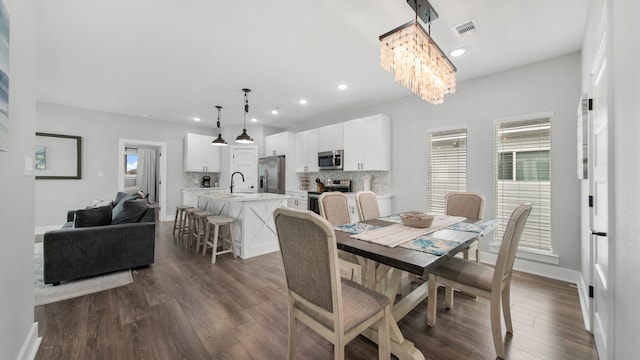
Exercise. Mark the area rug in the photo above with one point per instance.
(47, 293)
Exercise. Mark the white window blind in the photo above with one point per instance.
(446, 166)
(522, 174)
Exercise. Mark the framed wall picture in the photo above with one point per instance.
(4, 77)
(58, 156)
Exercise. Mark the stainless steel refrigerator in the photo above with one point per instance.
(271, 178)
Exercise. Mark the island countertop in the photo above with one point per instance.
(246, 196)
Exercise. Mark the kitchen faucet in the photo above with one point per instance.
(237, 172)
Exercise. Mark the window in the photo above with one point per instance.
(131, 164)
(446, 166)
(522, 174)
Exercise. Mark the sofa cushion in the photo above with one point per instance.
(119, 197)
(128, 210)
(93, 216)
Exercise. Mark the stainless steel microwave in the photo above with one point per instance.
(330, 160)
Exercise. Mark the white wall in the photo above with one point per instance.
(100, 132)
(552, 85)
(18, 333)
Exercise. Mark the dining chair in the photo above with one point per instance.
(481, 280)
(469, 205)
(367, 203)
(335, 209)
(336, 308)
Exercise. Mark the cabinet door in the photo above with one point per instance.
(331, 137)
(211, 155)
(194, 160)
(376, 141)
(353, 145)
(269, 145)
(307, 151)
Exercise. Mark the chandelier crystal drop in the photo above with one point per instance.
(416, 61)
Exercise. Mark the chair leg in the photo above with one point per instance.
(432, 300)
(233, 242)
(496, 324)
(292, 333)
(207, 234)
(448, 297)
(216, 230)
(176, 223)
(465, 253)
(384, 336)
(506, 306)
(478, 254)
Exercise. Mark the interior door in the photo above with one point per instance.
(245, 160)
(602, 295)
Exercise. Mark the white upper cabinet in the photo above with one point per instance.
(200, 155)
(367, 144)
(331, 137)
(276, 144)
(307, 151)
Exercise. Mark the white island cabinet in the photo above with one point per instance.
(253, 228)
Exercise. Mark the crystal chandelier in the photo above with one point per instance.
(416, 61)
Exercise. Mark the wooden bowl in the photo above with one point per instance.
(418, 220)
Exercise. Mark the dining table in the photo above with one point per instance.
(384, 261)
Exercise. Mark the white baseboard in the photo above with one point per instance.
(30, 345)
(537, 268)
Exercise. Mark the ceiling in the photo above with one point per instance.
(174, 60)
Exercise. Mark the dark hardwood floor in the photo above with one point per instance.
(183, 307)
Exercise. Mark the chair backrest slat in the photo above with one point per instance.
(367, 202)
(467, 204)
(334, 207)
(510, 241)
(308, 248)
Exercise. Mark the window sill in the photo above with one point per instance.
(530, 254)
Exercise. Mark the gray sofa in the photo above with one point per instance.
(116, 236)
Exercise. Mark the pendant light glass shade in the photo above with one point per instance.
(244, 138)
(219, 141)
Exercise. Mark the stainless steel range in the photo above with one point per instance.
(330, 185)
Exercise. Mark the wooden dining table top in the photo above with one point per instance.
(414, 261)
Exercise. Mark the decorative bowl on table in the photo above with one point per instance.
(419, 220)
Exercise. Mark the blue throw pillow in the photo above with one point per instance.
(129, 210)
(98, 216)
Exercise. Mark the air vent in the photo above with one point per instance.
(466, 29)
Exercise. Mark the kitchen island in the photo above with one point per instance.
(253, 228)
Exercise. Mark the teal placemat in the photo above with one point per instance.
(355, 228)
(431, 245)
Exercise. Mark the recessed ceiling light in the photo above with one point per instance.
(342, 86)
(302, 101)
(275, 111)
(457, 52)
(196, 119)
(254, 120)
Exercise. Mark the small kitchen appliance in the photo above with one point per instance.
(206, 181)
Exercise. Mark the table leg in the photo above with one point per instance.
(376, 278)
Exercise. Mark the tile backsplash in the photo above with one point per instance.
(379, 180)
(194, 179)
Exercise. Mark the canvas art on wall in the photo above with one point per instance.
(41, 160)
(4, 77)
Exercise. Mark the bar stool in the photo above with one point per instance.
(179, 222)
(197, 226)
(188, 218)
(216, 222)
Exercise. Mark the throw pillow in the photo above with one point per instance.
(129, 210)
(119, 197)
(100, 203)
(98, 216)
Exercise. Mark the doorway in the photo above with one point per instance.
(156, 188)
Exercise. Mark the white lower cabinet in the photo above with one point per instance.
(298, 201)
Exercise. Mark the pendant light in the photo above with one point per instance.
(219, 141)
(244, 138)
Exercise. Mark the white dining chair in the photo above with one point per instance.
(338, 309)
(469, 205)
(481, 280)
(367, 203)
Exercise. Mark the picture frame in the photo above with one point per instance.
(58, 157)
